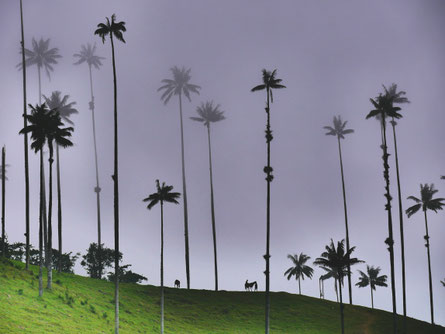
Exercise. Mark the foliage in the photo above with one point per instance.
(41, 55)
(178, 85)
(87, 54)
(127, 276)
(371, 277)
(68, 260)
(299, 268)
(426, 201)
(208, 113)
(90, 261)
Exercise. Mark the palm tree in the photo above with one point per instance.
(163, 194)
(339, 131)
(299, 268)
(208, 113)
(180, 84)
(87, 55)
(3, 176)
(116, 29)
(270, 82)
(330, 274)
(339, 261)
(25, 138)
(372, 279)
(65, 110)
(399, 98)
(427, 202)
(384, 108)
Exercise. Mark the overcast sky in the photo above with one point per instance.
(332, 56)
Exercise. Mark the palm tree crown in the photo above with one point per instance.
(299, 268)
(41, 55)
(112, 28)
(394, 95)
(269, 83)
(338, 129)
(208, 113)
(383, 105)
(60, 105)
(178, 85)
(371, 277)
(163, 194)
(426, 200)
(87, 54)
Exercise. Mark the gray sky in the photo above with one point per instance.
(332, 56)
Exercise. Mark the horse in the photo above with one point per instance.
(252, 285)
(177, 284)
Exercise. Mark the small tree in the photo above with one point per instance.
(90, 261)
(127, 276)
(372, 279)
(299, 268)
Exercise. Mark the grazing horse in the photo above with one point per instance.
(177, 284)
(252, 285)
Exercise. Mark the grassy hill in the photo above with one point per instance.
(82, 305)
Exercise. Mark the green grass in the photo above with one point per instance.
(78, 304)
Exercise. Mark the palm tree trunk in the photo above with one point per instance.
(41, 227)
(336, 290)
(427, 245)
(268, 179)
(184, 193)
(162, 268)
(50, 225)
(116, 197)
(59, 208)
(3, 203)
(390, 240)
(97, 188)
(402, 238)
(346, 218)
(342, 319)
(372, 297)
(25, 124)
(299, 285)
(213, 210)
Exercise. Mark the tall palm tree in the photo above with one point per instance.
(339, 131)
(427, 202)
(87, 55)
(398, 97)
(65, 110)
(338, 260)
(299, 268)
(3, 176)
(383, 109)
(116, 29)
(371, 278)
(163, 194)
(25, 138)
(179, 85)
(44, 58)
(270, 82)
(209, 113)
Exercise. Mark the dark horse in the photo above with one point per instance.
(177, 284)
(252, 285)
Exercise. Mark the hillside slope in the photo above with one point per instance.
(82, 305)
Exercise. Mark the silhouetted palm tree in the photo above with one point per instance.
(339, 261)
(116, 29)
(427, 202)
(339, 131)
(270, 82)
(25, 138)
(330, 274)
(399, 98)
(87, 55)
(299, 268)
(163, 194)
(65, 110)
(384, 108)
(180, 84)
(372, 279)
(208, 113)
(3, 177)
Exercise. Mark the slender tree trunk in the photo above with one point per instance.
(162, 268)
(59, 208)
(3, 203)
(116, 196)
(430, 278)
(41, 227)
(299, 285)
(390, 240)
(268, 171)
(25, 124)
(97, 188)
(212, 205)
(346, 218)
(336, 290)
(50, 225)
(342, 318)
(372, 298)
(184, 193)
(402, 238)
